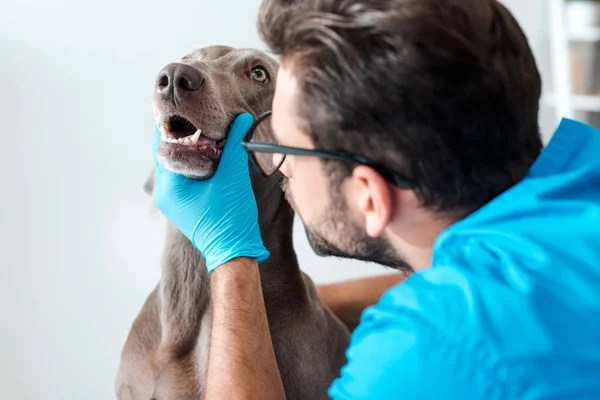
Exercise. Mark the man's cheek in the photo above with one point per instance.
(296, 197)
(287, 190)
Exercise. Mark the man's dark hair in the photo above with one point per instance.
(444, 92)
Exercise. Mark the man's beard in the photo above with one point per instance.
(335, 234)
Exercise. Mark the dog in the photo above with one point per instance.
(166, 353)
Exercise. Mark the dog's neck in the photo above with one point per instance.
(185, 282)
(276, 219)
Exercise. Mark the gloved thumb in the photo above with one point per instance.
(233, 146)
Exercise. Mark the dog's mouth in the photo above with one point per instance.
(178, 131)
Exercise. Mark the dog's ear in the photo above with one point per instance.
(149, 185)
(264, 134)
(149, 189)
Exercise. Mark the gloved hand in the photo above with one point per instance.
(218, 215)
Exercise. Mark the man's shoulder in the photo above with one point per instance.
(454, 332)
(439, 297)
(442, 304)
(407, 341)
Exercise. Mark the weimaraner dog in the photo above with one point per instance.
(165, 356)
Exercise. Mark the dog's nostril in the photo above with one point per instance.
(189, 80)
(163, 81)
(187, 84)
(178, 79)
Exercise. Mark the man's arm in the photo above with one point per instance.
(347, 300)
(220, 217)
(242, 361)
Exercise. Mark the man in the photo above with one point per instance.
(436, 101)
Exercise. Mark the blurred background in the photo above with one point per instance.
(80, 248)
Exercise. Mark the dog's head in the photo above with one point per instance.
(197, 98)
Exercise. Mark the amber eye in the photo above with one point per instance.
(259, 75)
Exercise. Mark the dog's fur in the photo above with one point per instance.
(165, 356)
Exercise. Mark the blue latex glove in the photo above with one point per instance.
(218, 215)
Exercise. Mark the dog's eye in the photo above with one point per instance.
(259, 75)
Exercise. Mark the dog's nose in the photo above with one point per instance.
(178, 79)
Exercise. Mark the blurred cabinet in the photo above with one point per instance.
(574, 39)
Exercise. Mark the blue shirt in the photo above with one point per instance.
(510, 308)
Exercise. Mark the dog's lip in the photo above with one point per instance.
(177, 150)
(164, 121)
(201, 145)
(196, 143)
(195, 139)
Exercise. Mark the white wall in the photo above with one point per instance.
(79, 248)
(532, 15)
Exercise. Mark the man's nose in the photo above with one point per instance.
(178, 80)
(284, 168)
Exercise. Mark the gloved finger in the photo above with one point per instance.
(169, 188)
(233, 150)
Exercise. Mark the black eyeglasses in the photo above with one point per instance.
(275, 155)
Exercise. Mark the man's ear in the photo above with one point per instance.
(374, 200)
(149, 185)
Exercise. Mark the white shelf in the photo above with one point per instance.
(563, 99)
(578, 101)
(584, 34)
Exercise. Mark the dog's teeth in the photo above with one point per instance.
(196, 136)
(163, 132)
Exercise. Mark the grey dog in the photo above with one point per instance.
(166, 352)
